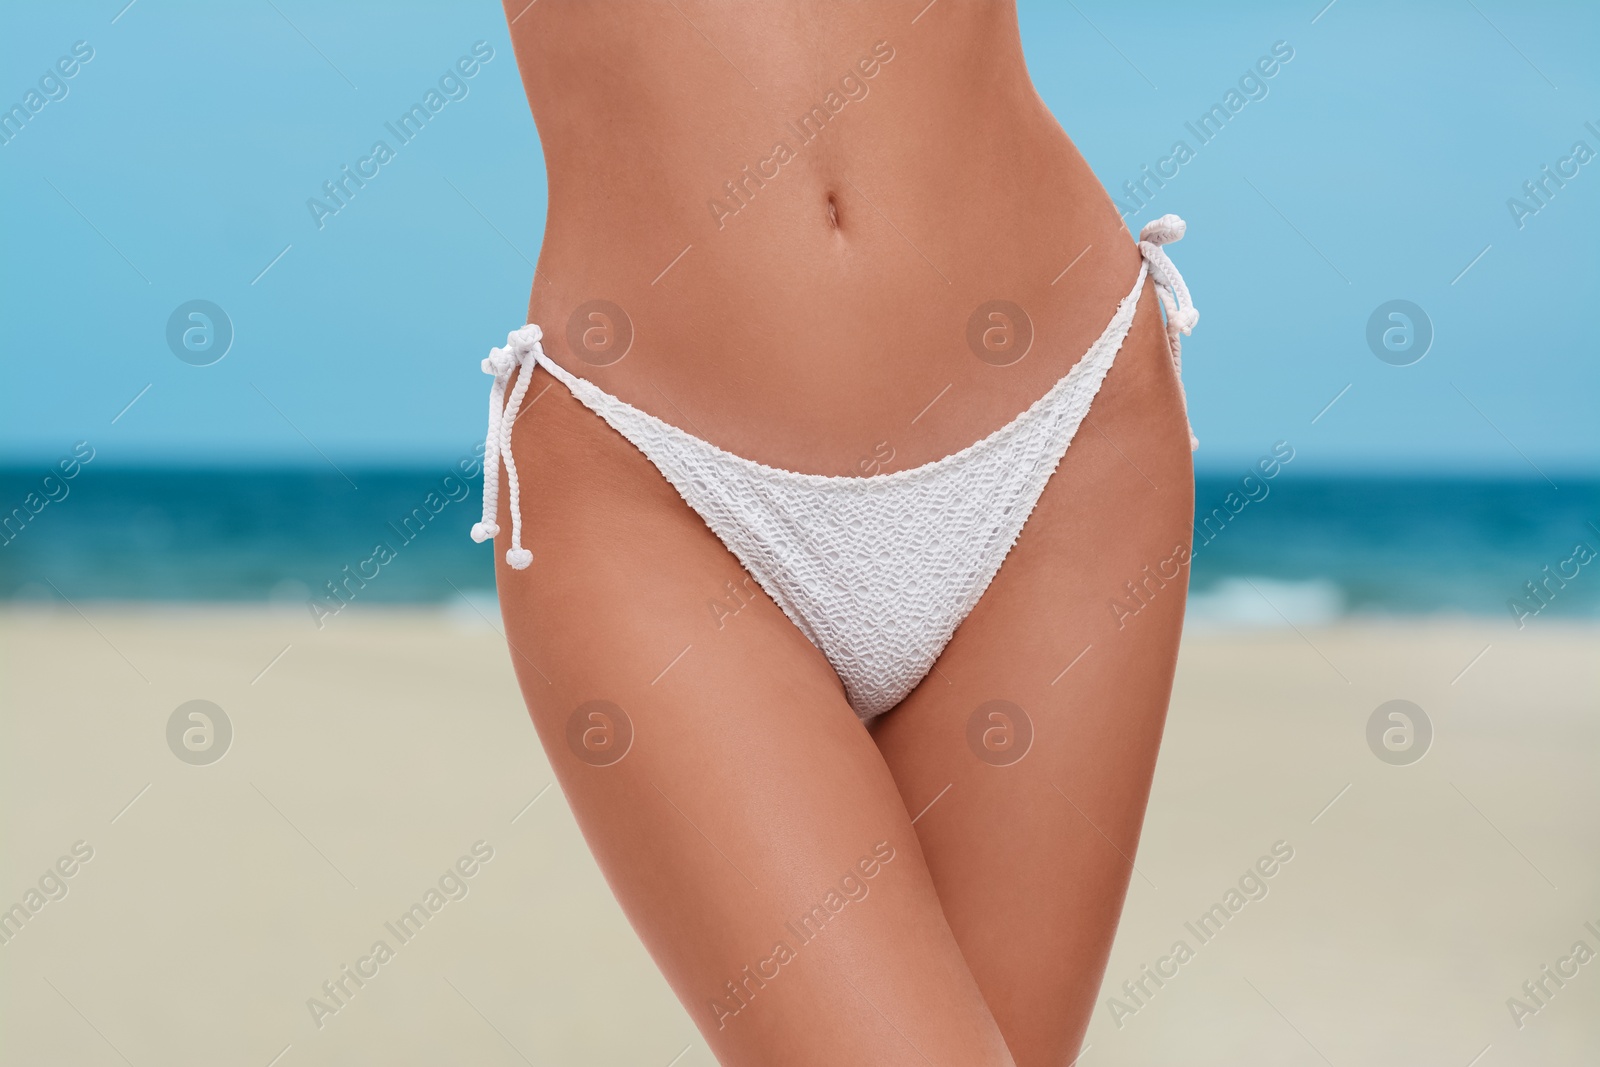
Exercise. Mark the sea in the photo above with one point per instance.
(1298, 550)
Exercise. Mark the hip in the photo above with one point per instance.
(845, 313)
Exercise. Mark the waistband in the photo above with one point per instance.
(524, 348)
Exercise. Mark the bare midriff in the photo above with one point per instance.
(818, 235)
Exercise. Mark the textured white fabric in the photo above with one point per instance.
(877, 572)
(1182, 315)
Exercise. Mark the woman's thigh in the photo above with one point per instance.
(742, 816)
(1038, 729)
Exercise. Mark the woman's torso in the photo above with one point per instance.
(803, 215)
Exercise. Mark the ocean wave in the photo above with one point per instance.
(1266, 602)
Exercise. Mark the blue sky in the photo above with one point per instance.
(1377, 166)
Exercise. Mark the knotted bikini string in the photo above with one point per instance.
(522, 349)
(1181, 312)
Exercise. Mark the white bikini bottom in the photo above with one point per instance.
(876, 571)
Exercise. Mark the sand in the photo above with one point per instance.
(368, 759)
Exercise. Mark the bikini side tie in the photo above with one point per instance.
(522, 349)
(1182, 315)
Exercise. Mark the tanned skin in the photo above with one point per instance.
(816, 319)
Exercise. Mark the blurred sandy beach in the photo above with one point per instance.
(371, 759)
(257, 719)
